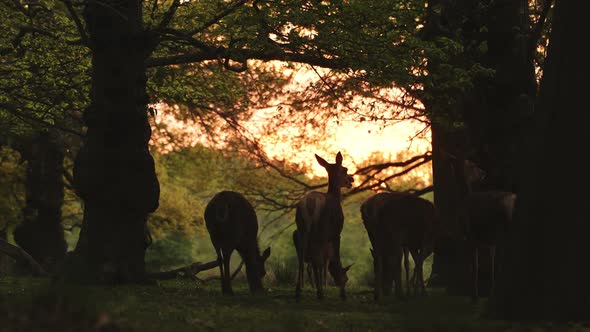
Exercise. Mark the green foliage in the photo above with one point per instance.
(188, 179)
(169, 252)
(12, 171)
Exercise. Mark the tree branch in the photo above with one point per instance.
(78, 22)
(187, 271)
(244, 55)
(218, 17)
(21, 255)
(168, 15)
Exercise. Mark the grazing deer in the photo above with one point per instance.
(484, 217)
(232, 225)
(398, 223)
(338, 273)
(320, 220)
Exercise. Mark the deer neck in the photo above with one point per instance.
(334, 191)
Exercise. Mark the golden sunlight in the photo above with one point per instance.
(358, 141)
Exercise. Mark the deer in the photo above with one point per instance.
(484, 216)
(398, 224)
(232, 225)
(319, 219)
(337, 272)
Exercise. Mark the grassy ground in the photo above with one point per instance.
(180, 305)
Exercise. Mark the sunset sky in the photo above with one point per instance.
(356, 140)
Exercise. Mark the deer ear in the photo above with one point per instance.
(345, 269)
(339, 158)
(322, 161)
(372, 253)
(266, 254)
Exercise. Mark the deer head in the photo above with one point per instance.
(261, 260)
(466, 172)
(342, 277)
(472, 173)
(337, 174)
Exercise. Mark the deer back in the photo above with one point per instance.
(231, 220)
(394, 212)
(487, 214)
(320, 215)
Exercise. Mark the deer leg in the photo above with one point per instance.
(309, 276)
(397, 268)
(220, 264)
(425, 252)
(227, 290)
(378, 276)
(493, 274)
(317, 274)
(300, 257)
(420, 273)
(406, 257)
(325, 274)
(415, 274)
(475, 274)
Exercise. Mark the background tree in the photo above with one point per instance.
(484, 119)
(40, 90)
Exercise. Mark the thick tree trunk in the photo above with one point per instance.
(492, 112)
(41, 233)
(546, 274)
(114, 171)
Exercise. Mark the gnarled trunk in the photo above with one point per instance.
(114, 170)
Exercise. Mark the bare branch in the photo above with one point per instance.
(168, 15)
(232, 277)
(187, 271)
(243, 55)
(78, 22)
(232, 8)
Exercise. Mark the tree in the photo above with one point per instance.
(541, 278)
(482, 120)
(39, 93)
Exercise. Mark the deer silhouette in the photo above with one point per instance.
(398, 223)
(484, 217)
(338, 273)
(233, 225)
(320, 220)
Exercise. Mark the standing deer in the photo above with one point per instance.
(398, 223)
(338, 273)
(232, 225)
(320, 220)
(484, 217)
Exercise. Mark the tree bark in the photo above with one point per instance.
(41, 234)
(546, 275)
(114, 171)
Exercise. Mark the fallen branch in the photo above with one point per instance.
(184, 272)
(238, 269)
(20, 255)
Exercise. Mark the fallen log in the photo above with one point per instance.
(20, 255)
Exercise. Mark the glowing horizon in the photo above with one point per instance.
(356, 140)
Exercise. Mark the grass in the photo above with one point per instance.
(181, 305)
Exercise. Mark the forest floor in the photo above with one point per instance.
(28, 304)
